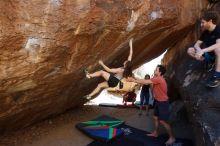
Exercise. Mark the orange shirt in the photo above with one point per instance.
(159, 88)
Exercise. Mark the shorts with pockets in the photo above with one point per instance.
(161, 110)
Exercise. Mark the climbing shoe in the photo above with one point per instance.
(213, 82)
(87, 73)
(87, 97)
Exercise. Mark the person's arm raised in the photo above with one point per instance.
(112, 70)
(131, 49)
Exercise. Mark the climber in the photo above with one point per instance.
(112, 76)
(161, 109)
(211, 39)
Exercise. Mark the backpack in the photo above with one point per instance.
(129, 97)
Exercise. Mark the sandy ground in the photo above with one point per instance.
(61, 131)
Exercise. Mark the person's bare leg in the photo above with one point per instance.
(141, 104)
(147, 110)
(140, 112)
(171, 139)
(156, 126)
(100, 73)
(100, 86)
(217, 53)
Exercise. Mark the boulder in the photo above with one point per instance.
(186, 81)
(46, 44)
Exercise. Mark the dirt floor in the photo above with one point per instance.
(61, 131)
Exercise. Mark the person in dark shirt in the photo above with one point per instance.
(145, 96)
(210, 38)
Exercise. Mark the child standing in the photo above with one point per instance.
(146, 97)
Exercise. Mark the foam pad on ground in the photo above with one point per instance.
(118, 105)
(101, 128)
(137, 137)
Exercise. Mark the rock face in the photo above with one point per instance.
(187, 79)
(46, 44)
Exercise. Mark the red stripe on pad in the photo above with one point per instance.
(101, 127)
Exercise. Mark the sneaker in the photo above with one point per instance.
(87, 73)
(209, 66)
(213, 82)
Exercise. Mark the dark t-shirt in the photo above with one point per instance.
(145, 89)
(209, 38)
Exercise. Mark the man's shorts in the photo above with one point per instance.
(209, 57)
(161, 110)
